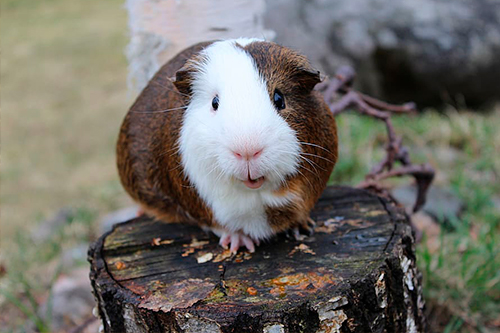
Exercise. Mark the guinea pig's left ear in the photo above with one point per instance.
(185, 75)
(184, 78)
(308, 78)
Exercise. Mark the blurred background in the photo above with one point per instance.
(71, 68)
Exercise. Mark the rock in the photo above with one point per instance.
(424, 224)
(49, 227)
(118, 216)
(441, 203)
(72, 302)
(427, 51)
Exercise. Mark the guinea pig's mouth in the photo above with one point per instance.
(254, 183)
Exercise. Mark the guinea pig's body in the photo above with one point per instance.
(238, 142)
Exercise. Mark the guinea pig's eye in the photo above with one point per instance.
(279, 100)
(215, 103)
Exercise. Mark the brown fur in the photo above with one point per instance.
(307, 113)
(147, 153)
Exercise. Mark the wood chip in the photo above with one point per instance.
(205, 258)
(187, 252)
(196, 243)
(302, 248)
(158, 241)
(376, 213)
(226, 254)
(120, 265)
(252, 291)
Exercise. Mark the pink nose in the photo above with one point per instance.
(248, 154)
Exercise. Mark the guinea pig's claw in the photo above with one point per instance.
(225, 240)
(235, 243)
(237, 240)
(308, 227)
(294, 234)
(301, 232)
(248, 243)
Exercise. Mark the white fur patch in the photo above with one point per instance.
(245, 120)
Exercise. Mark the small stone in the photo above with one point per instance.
(72, 301)
(277, 328)
(424, 224)
(441, 203)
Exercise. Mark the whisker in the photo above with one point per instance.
(323, 158)
(162, 111)
(314, 173)
(282, 179)
(176, 147)
(177, 167)
(216, 165)
(313, 164)
(305, 178)
(170, 89)
(317, 146)
(220, 175)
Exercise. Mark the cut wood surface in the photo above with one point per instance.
(357, 273)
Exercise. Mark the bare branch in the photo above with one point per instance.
(340, 97)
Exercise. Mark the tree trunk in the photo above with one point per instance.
(161, 29)
(357, 273)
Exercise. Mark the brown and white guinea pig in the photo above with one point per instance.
(230, 135)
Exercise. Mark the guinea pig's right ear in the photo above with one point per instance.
(184, 78)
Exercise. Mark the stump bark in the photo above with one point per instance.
(357, 273)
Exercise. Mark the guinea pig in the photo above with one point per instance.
(230, 135)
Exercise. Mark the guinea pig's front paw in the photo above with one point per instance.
(237, 240)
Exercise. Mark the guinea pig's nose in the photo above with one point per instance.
(247, 154)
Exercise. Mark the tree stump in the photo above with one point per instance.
(357, 273)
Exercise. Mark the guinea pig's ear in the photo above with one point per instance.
(184, 79)
(308, 78)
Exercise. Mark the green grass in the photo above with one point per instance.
(63, 97)
(463, 276)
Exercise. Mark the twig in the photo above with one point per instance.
(340, 97)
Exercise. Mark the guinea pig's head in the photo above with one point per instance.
(245, 113)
